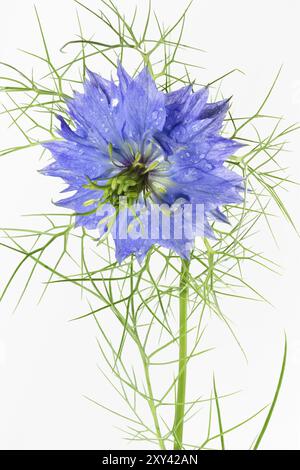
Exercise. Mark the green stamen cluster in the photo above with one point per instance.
(129, 183)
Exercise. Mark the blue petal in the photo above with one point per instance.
(218, 215)
(80, 160)
(102, 85)
(67, 133)
(185, 107)
(144, 107)
(221, 149)
(124, 80)
(177, 98)
(213, 110)
(95, 116)
(97, 220)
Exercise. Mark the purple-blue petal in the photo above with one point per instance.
(144, 107)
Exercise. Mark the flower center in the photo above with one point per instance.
(129, 183)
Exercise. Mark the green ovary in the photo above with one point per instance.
(129, 183)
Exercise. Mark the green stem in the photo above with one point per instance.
(182, 361)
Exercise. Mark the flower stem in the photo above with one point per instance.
(182, 361)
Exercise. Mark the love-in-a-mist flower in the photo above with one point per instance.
(131, 142)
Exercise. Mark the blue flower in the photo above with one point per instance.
(131, 141)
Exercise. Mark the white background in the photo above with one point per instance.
(47, 363)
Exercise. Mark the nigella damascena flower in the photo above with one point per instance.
(132, 142)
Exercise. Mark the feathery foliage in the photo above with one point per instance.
(141, 300)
